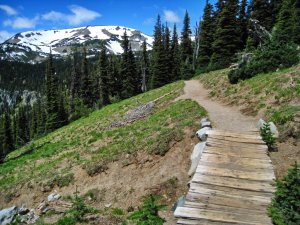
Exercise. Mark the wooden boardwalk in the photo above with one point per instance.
(232, 183)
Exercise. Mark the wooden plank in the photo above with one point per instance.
(237, 201)
(244, 151)
(220, 151)
(223, 172)
(222, 208)
(211, 215)
(213, 142)
(219, 193)
(195, 187)
(218, 159)
(200, 222)
(233, 135)
(242, 184)
(240, 168)
(237, 140)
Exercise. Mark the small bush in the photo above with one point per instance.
(267, 136)
(148, 213)
(270, 57)
(96, 168)
(285, 206)
(67, 220)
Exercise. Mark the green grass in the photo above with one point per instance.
(90, 140)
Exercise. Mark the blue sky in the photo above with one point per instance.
(23, 15)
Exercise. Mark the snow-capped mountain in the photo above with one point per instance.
(32, 46)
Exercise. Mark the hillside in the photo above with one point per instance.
(119, 153)
(32, 46)
(273, 97)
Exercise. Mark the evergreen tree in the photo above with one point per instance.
(8, 144)
(115, 81)
(296, 22)
(166, 56)
(144, 65)
(23, 133)
(227, 37)
(52, 97)
(157, 77)
(243, 24)
(261, 10)
(186, 48)
(104, 77)
(284, 28)
(86, 83)
(206, 37)
(131, 80)
(175, 56)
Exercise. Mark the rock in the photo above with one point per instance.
(53, 197)
(205, 119)
(8, 215)
(273, 129)
(179, 203)
(23, 210)
(108, 205)
(195, 157)
(260, 124)
(201, 134)
(206, 124)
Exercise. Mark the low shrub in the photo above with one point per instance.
(270, 57)
(285, 206)
(268, 136)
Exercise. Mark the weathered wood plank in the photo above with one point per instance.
(237, 201)
(233, 135)
(243, 184)
(229, 190)
(220, 159)
(237, 140)
(216, 216)
(258, 174)
(213, 142)
(227, 152)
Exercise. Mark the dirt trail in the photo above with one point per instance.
(223, 117)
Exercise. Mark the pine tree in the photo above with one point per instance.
(130, 76)
(52, 97)
(206, 37)
(243, 24)
(86, 83)
(8, 144)
(157, 64)
(115, 81)
(23, 133)
(296, 22)
(175, 56)
(285, 26)
(166, 56)
(104, 77)
(186, 48)
(261, 10)
(227, 38)
(145, 65)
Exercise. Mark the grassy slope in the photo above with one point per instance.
(275, 96)
(89, 140)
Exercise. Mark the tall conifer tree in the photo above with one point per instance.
(104, 77)
(186, 48)
(52, 97)
(227, 37)
(8, 144)
(206, 37)
(175, 56)
(86, 83)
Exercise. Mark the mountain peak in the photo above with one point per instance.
(35, 45)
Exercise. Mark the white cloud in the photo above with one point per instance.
(79, 15)
(149, 21)
(4, 35)
(171, 16)
(8, 10)
(21, 22)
